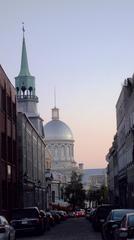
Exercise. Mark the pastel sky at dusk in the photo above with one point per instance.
(84, 48)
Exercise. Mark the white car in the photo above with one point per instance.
(7, 232)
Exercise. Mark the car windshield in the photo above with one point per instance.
(24, 213)
(118, 215)
(131, 221)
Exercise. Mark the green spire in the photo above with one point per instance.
(24, 70)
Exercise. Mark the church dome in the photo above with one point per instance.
(56, 129)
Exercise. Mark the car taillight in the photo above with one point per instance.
(2, 229)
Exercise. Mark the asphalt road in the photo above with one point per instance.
(72, 229)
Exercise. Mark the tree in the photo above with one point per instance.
(104, 194)
(98, 196)
(74, 192)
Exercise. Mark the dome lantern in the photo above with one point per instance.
(55, 113)
(57, 129)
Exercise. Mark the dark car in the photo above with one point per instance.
(71, 214)
(90, 214)
(50, 218)
(45, 219)
(56, 216)
(87, 214)
(27, 220)
(100, 215)
(113, 220)
(6, 230)
(62, 214)
(126, 229)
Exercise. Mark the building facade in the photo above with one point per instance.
(112, 173)
(125, 145)
(31, 157)
(48, 178)
(30, 135)
(8, 141)
(94, 179)
(60, 143)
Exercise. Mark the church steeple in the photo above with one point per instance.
(25, 84)
(24, 70)
(26, 96)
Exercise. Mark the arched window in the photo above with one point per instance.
(53, 196)
(56, 153)
(63, 153)
(30, 90)
(17, 90)
(68, 152)
(23, 89)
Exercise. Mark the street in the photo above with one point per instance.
(72, 229)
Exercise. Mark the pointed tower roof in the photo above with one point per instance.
(24, 70)
(25, 82)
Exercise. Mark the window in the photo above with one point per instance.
(53, 196)
(63, 153)
(3, 145)
(3, 99)
(14, 111)
(9, 149)
(14, 151)
(4, 194)
(9, 172)
(131, 221)
(9, 105)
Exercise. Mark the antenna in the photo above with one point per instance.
(23, 28)
(55, 97)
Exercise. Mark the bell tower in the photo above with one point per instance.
(26, 94)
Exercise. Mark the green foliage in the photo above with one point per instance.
(74, 192)
(99, 196)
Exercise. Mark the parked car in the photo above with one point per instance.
(45, 219)
(100, 215)
(80, 213)
(71, 214)
(27, 220)
(87, 214)
(113, 220)
(50, 218)
(126, 229)
(92, 215)
(63, 214)
(6, 230)
(56, 216)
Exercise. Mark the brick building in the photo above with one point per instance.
(8, 158)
